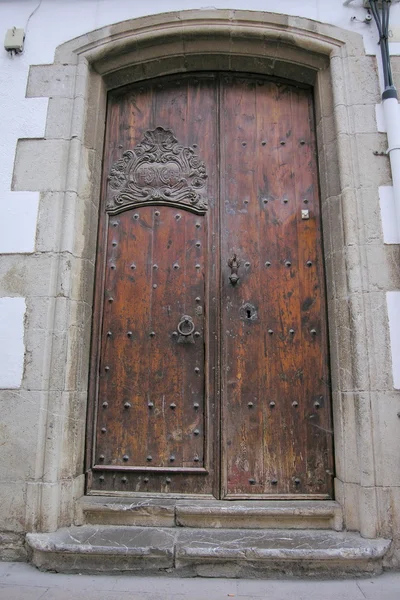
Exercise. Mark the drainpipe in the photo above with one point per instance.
(389, 102)
(392, 122)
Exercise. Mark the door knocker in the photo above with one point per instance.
(234, 264)
(186, 329)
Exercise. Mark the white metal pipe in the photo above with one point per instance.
(391, 111)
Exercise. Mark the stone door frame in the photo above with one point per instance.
(334, 62)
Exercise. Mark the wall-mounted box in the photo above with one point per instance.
(14, 40)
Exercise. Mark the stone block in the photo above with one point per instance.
(104, 549)
(67, 500)
(90, 171)
(364, 431)
(77, 357)
(368, 509)
(45, 357)
(59, 118)
(339, 274)
(362, 118)
(12, 502)
(350, 472)
(336, 224)
(50, 221)
(82, 76)
(80, 439)
(42, 505)
(30, 275)
(333, 349)
(326, 130)
(77, 219)
(77, 280)
(368, 203)
(323, 95)
(20, 421)
(94, 113)
(140, 512)
(67, 430)
(332, 174)
(379, 355)
(342, 364)
(77, 215)
(382, 267)
(338, 81)
(215, 553)
(77, 166)
(342, 123)
(386, 425)
(395, 64)
(350, 224)
(250, 552)
(356, 274)
(359, 342)
(351, 509)
(389, 511)
(41, 165)
(322, 170)
(354, 41)
(258, 515)
(12, 547)
(345, 148)
(371, 170)
(51, 80)
(362, 82)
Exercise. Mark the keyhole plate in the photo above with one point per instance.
(248, 312)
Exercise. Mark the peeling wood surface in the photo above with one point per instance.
(240, 407)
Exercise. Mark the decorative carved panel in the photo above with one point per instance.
(158, 171)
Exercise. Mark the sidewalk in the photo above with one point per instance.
(19, 581)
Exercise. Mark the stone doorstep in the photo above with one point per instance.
(206, 552)
(204, 513)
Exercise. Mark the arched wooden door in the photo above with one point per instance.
(210, 363)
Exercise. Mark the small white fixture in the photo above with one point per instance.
(14, 40)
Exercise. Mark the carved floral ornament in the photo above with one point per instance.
(157, 171)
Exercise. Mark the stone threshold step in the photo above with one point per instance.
(204, 513)
(206, 552)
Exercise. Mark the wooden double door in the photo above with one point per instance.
(209, 355)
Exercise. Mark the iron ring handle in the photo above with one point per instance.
(188, 321)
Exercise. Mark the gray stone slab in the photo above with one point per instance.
(206, 552)
(139, 512)
(258, 515)
(103, 549)
(255, 553)
(156, 512)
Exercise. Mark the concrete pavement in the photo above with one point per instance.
(19, 581)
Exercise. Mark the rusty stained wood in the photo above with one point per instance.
(276, 416)
(262, 427)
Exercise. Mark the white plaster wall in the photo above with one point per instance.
(12, 313)
(393, 304)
